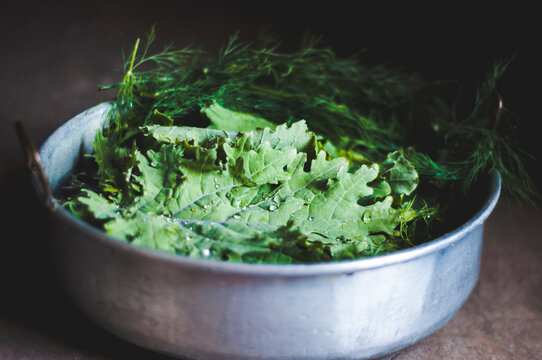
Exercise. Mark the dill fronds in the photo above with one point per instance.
(371, 110)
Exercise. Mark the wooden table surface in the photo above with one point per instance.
(53, 58)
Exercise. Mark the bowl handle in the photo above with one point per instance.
(34, 164)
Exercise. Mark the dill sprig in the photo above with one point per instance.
(370, 110)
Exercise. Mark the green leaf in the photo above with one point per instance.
(224, 119)
(101, 207)
(157, 118)
(400, 174)
(297, 135)
(256, 196)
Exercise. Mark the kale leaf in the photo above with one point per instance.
(257, 195)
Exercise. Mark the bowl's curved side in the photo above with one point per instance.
(61, 151)
(204, 314)
(205, 310)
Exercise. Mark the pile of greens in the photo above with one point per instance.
(263, 156)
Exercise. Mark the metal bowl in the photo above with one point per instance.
(205, 309)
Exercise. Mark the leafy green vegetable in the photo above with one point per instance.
(221, 118)
(364, 112)
(210, 157)
(261, 195)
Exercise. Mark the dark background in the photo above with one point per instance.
(54, 55)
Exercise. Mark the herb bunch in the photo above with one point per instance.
(365, 111)
(368, 116)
